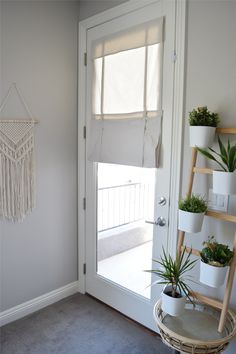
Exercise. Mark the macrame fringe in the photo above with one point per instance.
(17, 197)
(16, 163)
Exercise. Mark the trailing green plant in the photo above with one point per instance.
(173, 272)
(201, 116)
(226, 158)
(193, 204)
(216, 254)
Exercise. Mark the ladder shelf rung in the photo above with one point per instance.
(223, 306)
(226, 130)
(207, 300)
(191, 250)
(221, 216)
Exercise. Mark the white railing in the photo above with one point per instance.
(122, 204)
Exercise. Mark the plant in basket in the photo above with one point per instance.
(191, 213)
(172, 273)
(224, 181)
(215, 259)
(203, 124)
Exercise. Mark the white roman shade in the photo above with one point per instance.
(125, 126)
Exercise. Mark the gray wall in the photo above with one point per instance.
(0, 44)
(211, 81)
(40, 254)
(39, 42)
(91, 7)
(0, 96)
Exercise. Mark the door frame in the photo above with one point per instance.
(178, 56)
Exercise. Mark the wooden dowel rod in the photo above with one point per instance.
(180, 242)
(193, 163)
(189, 191)
(228, 289)
(226, 130)
(208, 171)
(206, 300)
(191, 250)
(35, 121)
(221, 216)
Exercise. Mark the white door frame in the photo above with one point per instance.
(178, 96)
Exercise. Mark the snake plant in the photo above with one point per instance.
(226, 158)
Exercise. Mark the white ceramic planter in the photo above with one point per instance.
(212, 276)
(201, 136)
(190, 222)
(224, 182)
(172, 306)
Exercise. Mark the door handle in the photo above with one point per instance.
(160, 221)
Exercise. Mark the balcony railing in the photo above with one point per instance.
(122, 204)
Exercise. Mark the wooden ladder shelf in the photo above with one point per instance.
(223, 306)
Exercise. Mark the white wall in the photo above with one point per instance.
(211, 81)
(39, 41)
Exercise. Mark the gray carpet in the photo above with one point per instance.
(78, 325)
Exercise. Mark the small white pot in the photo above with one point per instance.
(212, 276)
(224, 182)
(201, 136)
(171, 305)
(190, 222)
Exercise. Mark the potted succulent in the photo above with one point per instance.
(191, 213)
(203, 125)
(215, 259)
(172, 273)
(224, 181)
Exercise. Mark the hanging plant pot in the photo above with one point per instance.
(224, 182)
(201, 136)
(212, 276)
(190, 222)
(174, 306)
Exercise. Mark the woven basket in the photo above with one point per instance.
(181, 342)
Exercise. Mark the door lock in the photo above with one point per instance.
(162, 201)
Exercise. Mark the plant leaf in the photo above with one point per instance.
(211, 157)
(223, 151)
(232, 159)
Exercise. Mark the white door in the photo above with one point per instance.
(119, 199)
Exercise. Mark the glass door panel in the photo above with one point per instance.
(125, 200)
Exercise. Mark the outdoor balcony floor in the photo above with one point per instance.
(127, 269)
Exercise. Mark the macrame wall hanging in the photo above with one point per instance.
(17, 187)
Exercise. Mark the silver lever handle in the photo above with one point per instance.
(160, 221)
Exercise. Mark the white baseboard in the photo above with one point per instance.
(38, 303)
